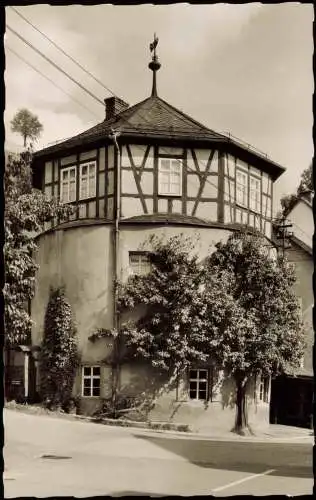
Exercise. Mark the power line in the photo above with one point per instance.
(98, 100)
(55, 65)
(63, 51)
(51, 81)
(82, 67)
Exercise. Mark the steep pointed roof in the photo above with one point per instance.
(154, 118)
(151, 117)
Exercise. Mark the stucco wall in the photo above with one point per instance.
(80, 259)
(174, 405)
(134, 238)
(304, 267)
(303, 223)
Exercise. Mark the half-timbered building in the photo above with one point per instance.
(147, 168)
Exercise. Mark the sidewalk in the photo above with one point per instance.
(271, 433)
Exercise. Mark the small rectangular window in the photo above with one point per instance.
(68, 184)
(170, 176)
(241, 188)
(198, 384)
(91, 381)
(87, 180)
(139, 263)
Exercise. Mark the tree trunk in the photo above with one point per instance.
(241, 421)
(24, 138)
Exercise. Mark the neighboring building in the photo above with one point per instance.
(292, 397)
(164, 173)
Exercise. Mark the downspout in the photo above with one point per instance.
(116, 320)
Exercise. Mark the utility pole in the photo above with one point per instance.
(282, 234)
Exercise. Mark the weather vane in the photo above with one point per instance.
(153, 45)
(154, 64)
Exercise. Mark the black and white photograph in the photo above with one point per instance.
(158, 255)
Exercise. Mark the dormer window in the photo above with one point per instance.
(87, 180)
(170, 177)
(68, 183)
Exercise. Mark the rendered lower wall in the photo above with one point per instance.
(173, 403)
(81, 259)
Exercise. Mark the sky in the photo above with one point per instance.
(244, 69)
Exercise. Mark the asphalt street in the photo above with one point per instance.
(46, 456)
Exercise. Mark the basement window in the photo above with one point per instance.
(170, 177)
(139, 263)
(198, 384)
(91, 378)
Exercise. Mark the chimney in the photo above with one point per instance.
(113, 106)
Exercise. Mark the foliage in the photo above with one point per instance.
(125, 406)
(306, 183)
(305, 188)
(26, 210)
(59, 354)
(262, 332)
(26, 124)
(170, 332)
(238, 308)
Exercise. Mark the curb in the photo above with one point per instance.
(169, 429)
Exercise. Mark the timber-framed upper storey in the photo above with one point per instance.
(168, 163)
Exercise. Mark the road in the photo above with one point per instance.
(47, 456)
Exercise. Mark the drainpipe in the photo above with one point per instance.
(26, 375)
(115, 369)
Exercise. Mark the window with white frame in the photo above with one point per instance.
(198, 384)
(242, 188)
(139, 263)
(87, 187)
(264, 387)
(170, 176)
(254, 194)
(68, 178)
(91, 378)
(266, 206)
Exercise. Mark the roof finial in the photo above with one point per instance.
(154, 64)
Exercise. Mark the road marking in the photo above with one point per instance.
(253, 476)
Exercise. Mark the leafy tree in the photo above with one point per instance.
(26, 210)
(262, 332)
(287, 203)
(169, 331)
(59, 354)
(306, 187)
(26, 124)
(306, 183)
(237, 308)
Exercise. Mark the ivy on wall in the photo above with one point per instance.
(59, 355)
